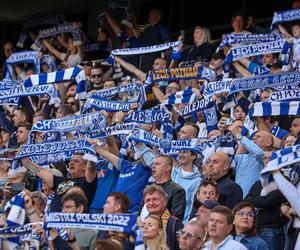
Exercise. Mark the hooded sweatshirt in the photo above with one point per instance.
(190, 181)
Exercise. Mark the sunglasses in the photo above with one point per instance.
(188, 235)
(96, 76)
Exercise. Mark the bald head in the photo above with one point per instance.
(218, 165)
(263, 139)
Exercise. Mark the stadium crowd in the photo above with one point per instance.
(152, 145)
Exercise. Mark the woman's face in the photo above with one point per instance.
(244, 219)
(151, 228)
(198, 36)
(4, 165)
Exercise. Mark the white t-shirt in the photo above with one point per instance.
(72, 60)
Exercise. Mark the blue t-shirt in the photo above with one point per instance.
(132, 180)
(107, 179)
(257, 69)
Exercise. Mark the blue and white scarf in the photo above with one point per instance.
(198, 106)
(14, 93)
(50, 62)
(59, 77)
(285, 16)
(129, 88)
(119, 129)
(57, 151)
(269, 109)
(16, 217)
(236, 53)
(99, 103)
(69, 123)
(218, 87)
(22, 57)
(17, 231)
(185, 96)
(287, 94)
(265, 81)
(230, 39)
(140, 135)
(115, 222)
(145, 50)
(56, 30)
(175, 74)
(287, 159)
(34, 23)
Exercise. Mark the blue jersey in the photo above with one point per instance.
(257, 69)
(132, 180)
(107, 179)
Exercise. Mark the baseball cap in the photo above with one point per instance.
(210, 204)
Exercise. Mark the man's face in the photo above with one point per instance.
(264, 96)
(268, 58)
(22, 135)
(160, 167)
(216, 167)
(110, 206)
(261, 139)
(208, 192)
(17, 117)
(295, 127)
(186, 157)
(216, 63)
(187, 132)
(46, 189)
(8, 49)
(203, 214)
(267, 157)
(96, 76)
(77, 166)
(69, 206)
(172, 87)
(190, 238)
(154, 16)
(159, 64)
(238, 24)
(218, 228)
(155, 203)
(239, 113)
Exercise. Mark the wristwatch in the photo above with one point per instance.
(72, 240)
(239, 137)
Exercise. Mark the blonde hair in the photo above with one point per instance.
(206, 33)
(160, 241)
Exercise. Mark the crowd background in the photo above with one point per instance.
(214, 197)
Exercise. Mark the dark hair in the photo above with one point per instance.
(77, 198)
(241, 205)
(121, 199)
(27, 112)
(236, 14)
(205, 183)
(26, 125)
(40, 113)
(225, 211)
(66, 109)
(70, 85)
(109, 244)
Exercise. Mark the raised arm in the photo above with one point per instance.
(101, 150)
(284, 31)
(131, 68)
(242, 70)
(39, 171)
(90, 171)
(54, 51)
(113, 24)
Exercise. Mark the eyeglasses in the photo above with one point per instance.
(96, 76)
(248, 214)
(188, 235)
(67, 207)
